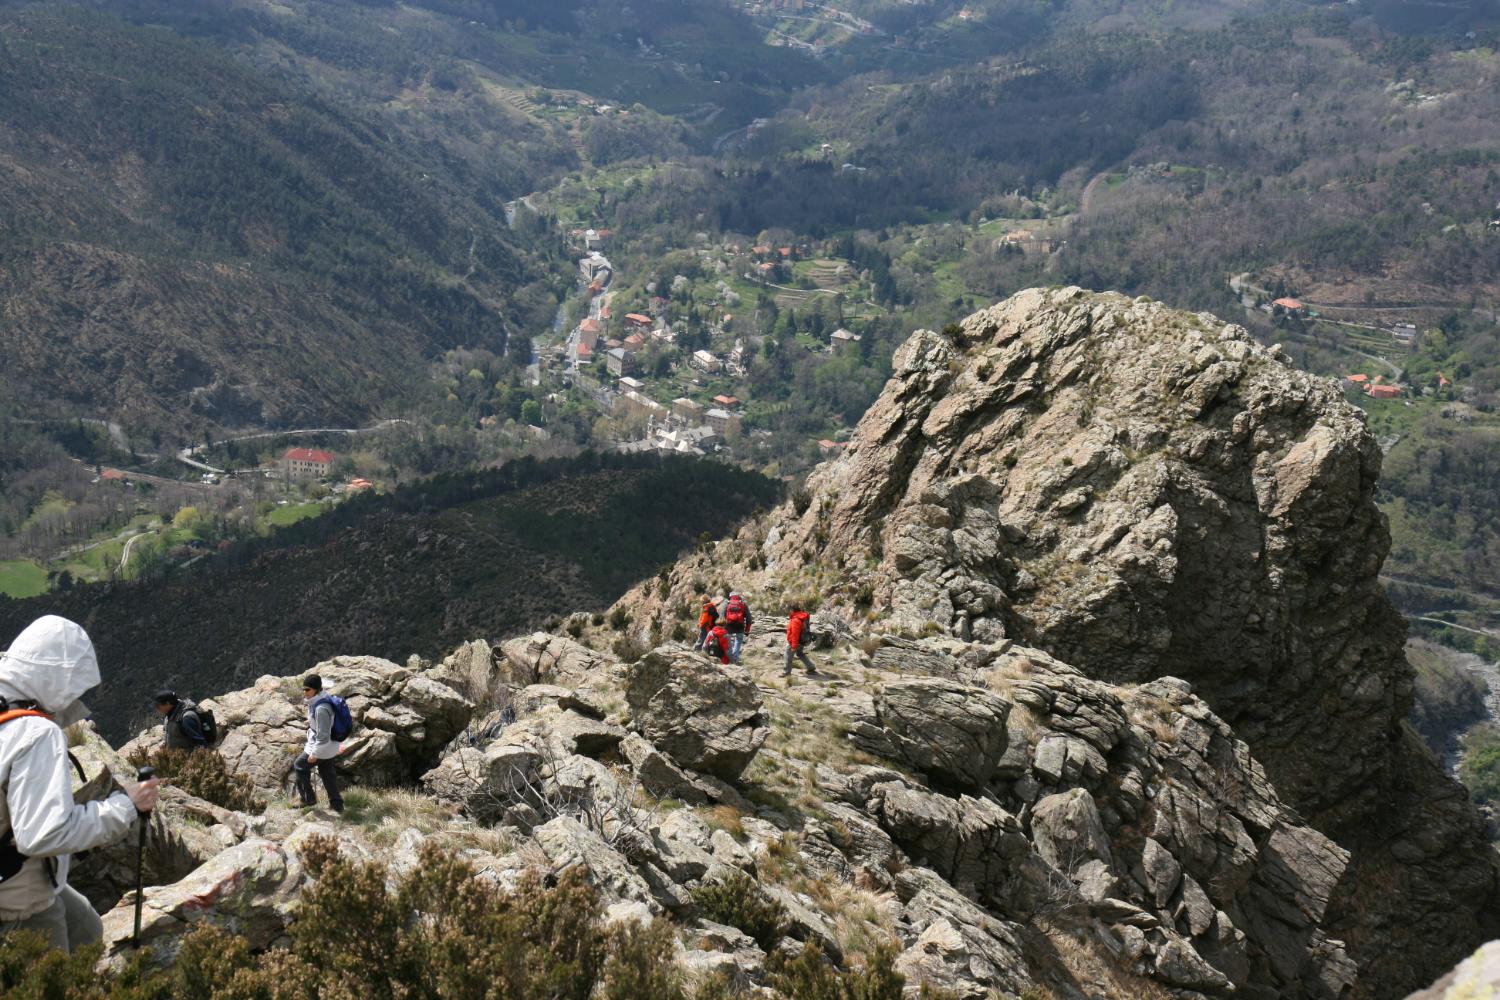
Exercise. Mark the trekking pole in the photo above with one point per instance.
(144, 774)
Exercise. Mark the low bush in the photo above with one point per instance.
(738, 902)
(202, 773)
(352, 937)
(1480, 769)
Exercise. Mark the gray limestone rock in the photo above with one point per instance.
(706, 716)
(953, 732)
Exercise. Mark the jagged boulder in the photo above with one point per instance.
(541, 658)
(954, 944)
(485, 783)
(705, 715)
(1069, 835)
(973, 843)
(249, 889)
(658, 774)
(568, 844)
(955, 733)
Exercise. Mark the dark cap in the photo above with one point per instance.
(313, 681)
(165, 697)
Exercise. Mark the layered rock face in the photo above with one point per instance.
(1146, 493)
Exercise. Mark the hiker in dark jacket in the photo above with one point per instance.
(183, 727)
(321, 749)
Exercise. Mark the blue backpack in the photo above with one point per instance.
(343, 722)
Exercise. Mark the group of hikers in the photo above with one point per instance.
(43, 677)
(723, 633)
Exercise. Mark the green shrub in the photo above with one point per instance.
(202, 773)
(353, 937)
(738, 902)
(619, 618)
(719, 986)
(1480, 770)
(810, 976)
(628, 649)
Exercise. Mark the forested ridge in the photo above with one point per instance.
(186, 238)
(430, 566)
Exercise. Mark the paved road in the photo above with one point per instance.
(125, 555)
(1488, 633)
(1087, 200)
(185, 456)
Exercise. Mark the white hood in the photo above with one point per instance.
(52, 663)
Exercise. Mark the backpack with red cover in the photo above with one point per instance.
(734, 611)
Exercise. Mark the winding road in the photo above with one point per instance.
(185, 456)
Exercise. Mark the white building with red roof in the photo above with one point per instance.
(306, 463)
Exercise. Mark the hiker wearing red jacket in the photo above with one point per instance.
(798, 631)
(718, 643)
(737, 624)
(706, 621)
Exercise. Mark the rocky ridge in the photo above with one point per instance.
(1085, 565)
(1146, 493)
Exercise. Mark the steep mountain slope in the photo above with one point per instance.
(185, 239)
(1146, 494)
(947, 802)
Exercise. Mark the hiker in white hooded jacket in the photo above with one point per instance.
(44, 674)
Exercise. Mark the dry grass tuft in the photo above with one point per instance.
(1085, 959)
(385, 813)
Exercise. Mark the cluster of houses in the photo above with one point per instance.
(1378, 388)
(1028, 242)
(687, 427)
(1375, 388)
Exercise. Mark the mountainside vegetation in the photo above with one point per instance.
(186, 239)
(415, 572)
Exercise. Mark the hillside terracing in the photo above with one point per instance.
(1086, 566)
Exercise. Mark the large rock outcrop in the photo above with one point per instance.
(1146, 493)
(404, 717)
(705, 715)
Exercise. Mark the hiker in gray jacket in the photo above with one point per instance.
(321, 749)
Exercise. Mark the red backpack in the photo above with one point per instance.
(734, 611)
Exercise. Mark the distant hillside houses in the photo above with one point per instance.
(1375, 388)
(843, 341)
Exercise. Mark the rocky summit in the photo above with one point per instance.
(1109, 703)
